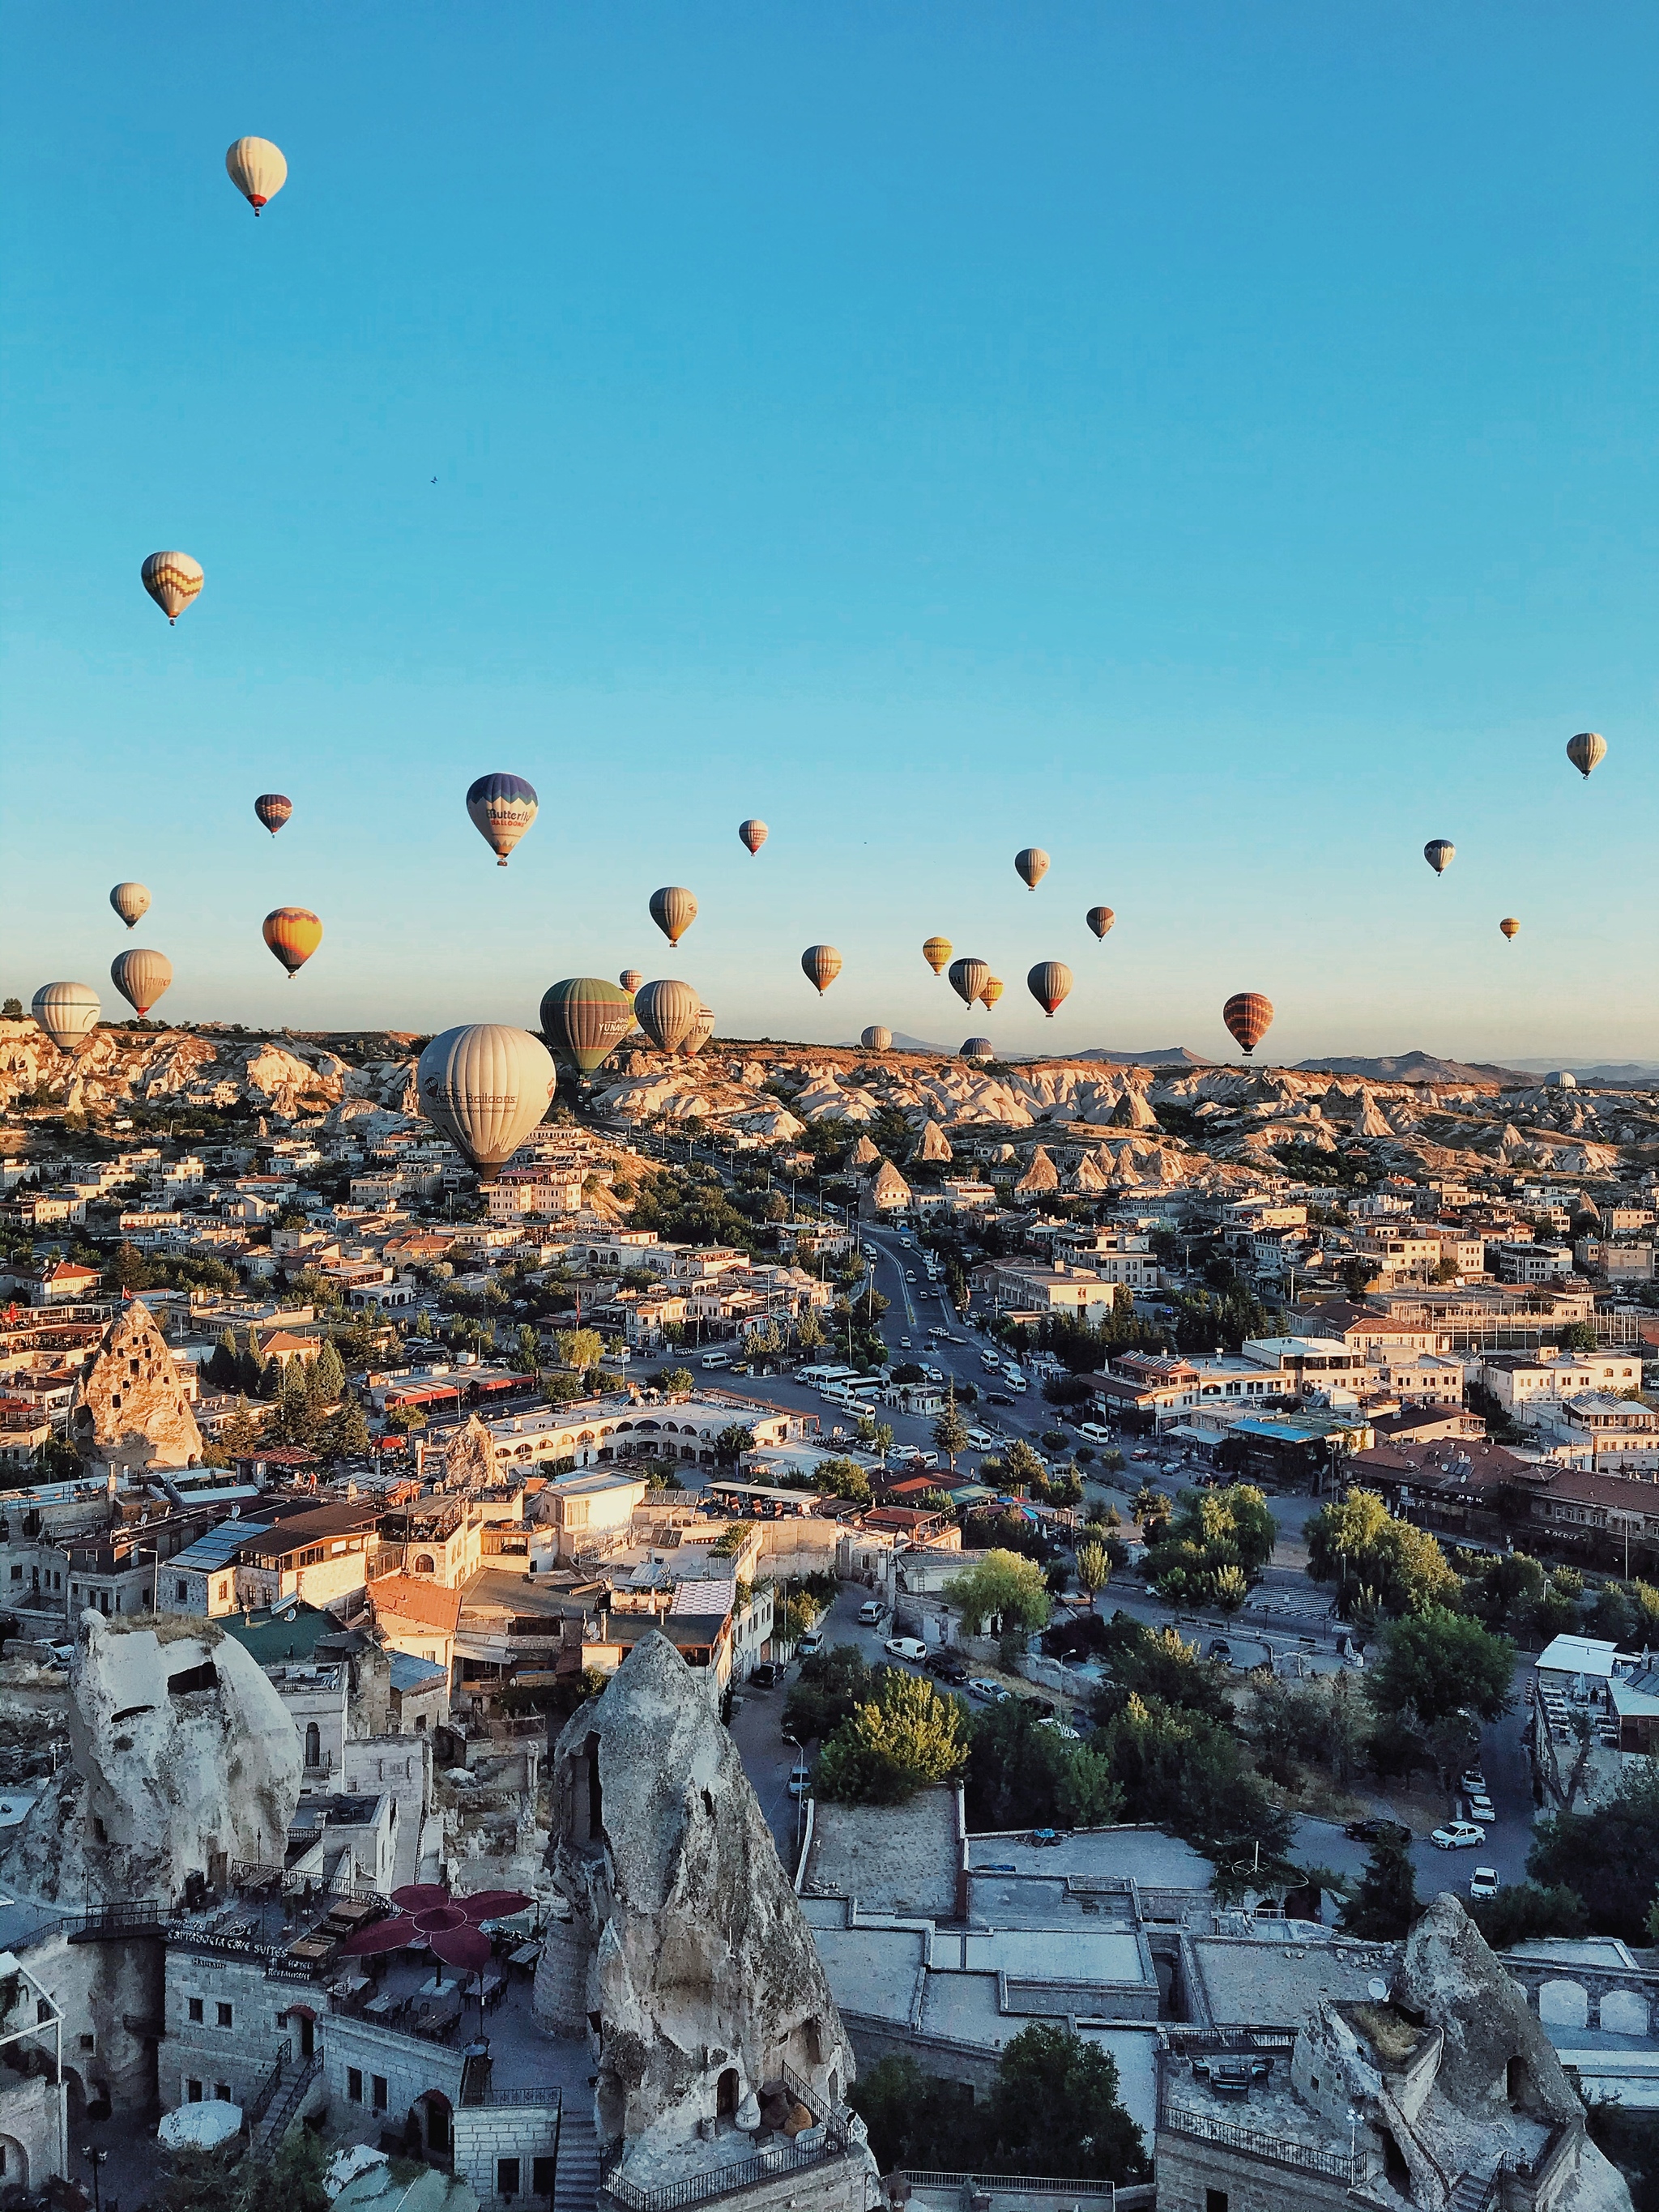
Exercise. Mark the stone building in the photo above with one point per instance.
(131, 1408)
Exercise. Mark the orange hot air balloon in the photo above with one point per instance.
(1249, 1016)
(753, 834)
(1510, 928)
(292, 933)
(937, 953)
(994, 990)
(1032, 865)
(1100, 919)
(1049, 983)
(820, 964)
(630, 979)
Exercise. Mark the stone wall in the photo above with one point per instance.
(836, 2186)
(873, 2039)
(1188, 2171)
(239, 2053)
(33, 2132)
(399, 1767)
(98, 1988)
(486, 2134)
(408, 2067)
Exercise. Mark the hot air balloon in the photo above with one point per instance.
(172, 580)
(667, 1011)
(1587, 752)
(292, 933)
(486, 1085)
(141, 977)
(978, 1049)
(1510, 928)
(1440, 852)
(130, 901)
(994, 987)
(753, 834)
(66, 1012)
(630, 979)
(1048, 983)
(820, 964)
(1100, 919)
(1032, 865)
(584, 1019)
(1249, 1016)
(876, 1039)
(273, 810)
(701, 1029)
(502, 808)
(937, 953)
(673, 909)
(969, 978)
(257, 169)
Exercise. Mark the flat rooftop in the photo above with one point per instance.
(1253, 1982)
(888, 1859)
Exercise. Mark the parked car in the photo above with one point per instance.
(870, 1613)
(1483, 1882)
(905, 1647)
(1474, 1784)
(1481, 1808)
(989, 1693)
(1458, 1836)
(763, 1677)
(1219, 1649)
(1059, 1728)
(800, 1780)
(1378, 1831)
(997, 1398)
(947, 1666)
(1141, 1454)
(812, 1641)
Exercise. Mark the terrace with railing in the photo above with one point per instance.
(829, 2138)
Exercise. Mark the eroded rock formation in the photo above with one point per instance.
(129, 1409)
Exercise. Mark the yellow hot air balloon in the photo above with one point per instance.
(937, 953)
(172, 580)
(141, 977)
(131, 902)
(257, 169)
(673, 909)
(486, 1085)
(66, 1012)
(1510, 927)
(994, 990)
(820, 964)
(1587, 752)
(1031, 865)
(292, 933)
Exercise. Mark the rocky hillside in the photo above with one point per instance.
(293, 1079)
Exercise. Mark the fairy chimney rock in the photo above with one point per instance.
(933, 1145)
(864, 1154)
(1042, 1175)
(470, 1463)
(888, 1187)
(131, 1409)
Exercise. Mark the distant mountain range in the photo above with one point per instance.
(1416, 1067)
(1169, 1055)
(1643, 1072)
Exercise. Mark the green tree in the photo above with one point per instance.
(1579, 1335)
(1383, 1903)
(1094, 1570)
(1156, 1664)
(841, 1477)
(950, 1431)
(223, 1368)
(529, 1348)
(296, 1417)
(733, 1443)
(327, 1378)
(1022, 1774)
(1435, 1664)
(1357, 1543)
(1211, 1531)
(1023, 1466)
(1609, 1856)
(562, 1389)
(1004, 1589)
(239, 1434)
(675, 1382)
(908, 1736)
(1055, 2100)
(808, 1331)
(345, 1435)
(581, 1348)
(129, 1270)
(1184, 1772)
(830, 1684)
(1523, 1910)
(12, 1010)
(914, 2120)
(402, 1419)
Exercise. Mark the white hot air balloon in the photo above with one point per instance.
(172, 580)
(131, 902)
(486, 1087)
(66, 1012)
(141, 977)
(257, 169)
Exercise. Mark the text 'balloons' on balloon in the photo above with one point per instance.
(1031, 865)
(585, 1018)
(131, 902)
(1049, 983)
(67, 1012)
(994, 987)
(820, 964)
(978, 1049)
(141, 977)
(502, 807)
(1587, 752)
(1249, 1017)
(937, 953)
(292, 933)
(673, 908)
(273, 809)
(172, 580)
(1440, 852)
(699, 1033)
(1510, 928)
(486, 1085)
(969, 977)
(753, 833)
(876, 1038)
(258, 170)
(630, 979)
(1100, 919)
(667, 1011)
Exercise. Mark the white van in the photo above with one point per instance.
(716, 1359)
(1095, 1433)
(1015, 1380)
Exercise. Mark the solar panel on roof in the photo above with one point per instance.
(219, 1545)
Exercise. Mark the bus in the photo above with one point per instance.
(816, 1377)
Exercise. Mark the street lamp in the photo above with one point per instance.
(94, 2157)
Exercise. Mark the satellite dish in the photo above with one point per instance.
(1377, 1989)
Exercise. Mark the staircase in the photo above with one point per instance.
(1475, 2192)
(284, 2109)
(576, 2180)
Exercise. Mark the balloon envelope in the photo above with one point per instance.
(969, 978)
(1510, 926)
(673, 909)
(1100, 919)
(502, 808)
(292, 933)
(937, 953)
(66, 1012)
(273, 810)
(876, 1039)
(486, 1085)
(978, 1049)
(1048, 983)
(630, 979)
(1249, 1016)
(141, 977)
(1032, 865)
(820, 964)
(584, 1019)
(172, 580)
(753, 834)
(994, 987)
(667, 1011)
(257, 169)
(130, 901)
(1440, 852)
(700, 1032)
(1587, 752)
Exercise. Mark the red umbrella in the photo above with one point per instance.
(419, 1896)
(437, 1919)
(467, 1948)
(494, 1905)
(381, 1935)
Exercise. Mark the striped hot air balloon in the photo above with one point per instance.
(978, 1049)
(1440, 852)
(1510, 928)
(257, 169)
(630, 979)
(172, 580)
(141, 977)
(673, 909)
(1100, 919)
(1031, 865)
(273, 810)
(969, 978)
(66, 1012)
(486, 1085)
(584, 1019)
(131, 902)
(502, 808)
(820, 964)
(937, 953)
(667, 1011)
(1049, 983)
(1587, 752)
(876, 1038)
(1249, 1017)
(753, 834)
(292, 933)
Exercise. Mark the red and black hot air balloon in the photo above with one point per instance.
(1249, 1016)
(273, 810)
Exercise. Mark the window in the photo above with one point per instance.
(89, 2043)
(42, 2010)
(17, 1572)
(225, 2017)
(193, 2092)
(181, 1592)
(355, 2084)
(222, 2094)
(378, 2084)
(1215, 2200)
(541, 2176)
(507, 2177)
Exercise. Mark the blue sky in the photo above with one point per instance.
(1216, 444)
